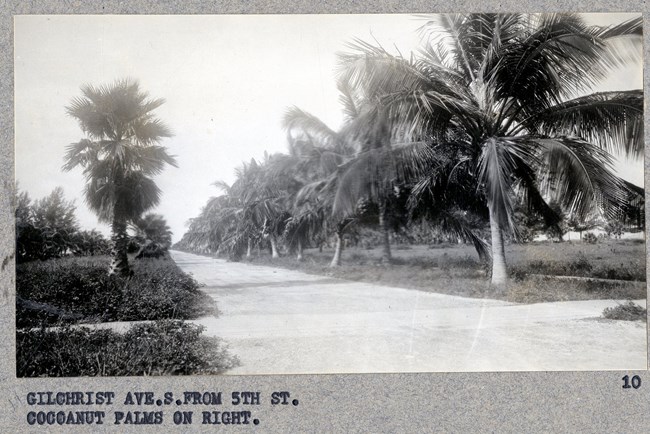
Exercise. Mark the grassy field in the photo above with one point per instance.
(610, 269)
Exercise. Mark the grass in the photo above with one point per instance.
(456, 270)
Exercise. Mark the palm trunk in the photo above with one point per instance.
(499, 274)
(274, 248)
(120, 239)
(299, 256)
(249, 247)
(336, 260)
(383, 227)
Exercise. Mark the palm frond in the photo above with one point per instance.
(350, 101)
(149, 131)
(557, 57)
(528, 188)
(580, 176)
(621, 43)
(296, 119)
(150, 160)
(611, 120)
(455, 222)
(136, 195)
(496, 165)
(83, 153)
(373, 174)
(223, 186)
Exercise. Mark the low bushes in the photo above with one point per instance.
(620, 272)
(540, 289)
(80, 289)
(589, 238)
(629, 311)
(52, 295)
(581, 266)
(167, 347)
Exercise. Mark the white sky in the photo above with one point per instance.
(227, 81)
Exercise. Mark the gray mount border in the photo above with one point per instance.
(453, 402)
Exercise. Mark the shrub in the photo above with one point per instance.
(81, 286)
(634, 270)
(161, 348)
(159, 289)
(614, 228)
(629, 311)
(152, 250)
(90, 243)
(589, 238)
(579, 266)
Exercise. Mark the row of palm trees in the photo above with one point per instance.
(492, 113)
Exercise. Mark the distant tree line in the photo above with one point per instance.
(48, 228)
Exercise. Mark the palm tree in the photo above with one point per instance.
(231, 224)
(260, 201)
(223, 224)
(250, 210)
(206, 232)
(316, 152)
(508, 96)
(372, 171)
(153, 235)
(119, 156)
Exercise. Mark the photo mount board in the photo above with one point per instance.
(508, 401)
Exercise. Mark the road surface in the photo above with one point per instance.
(287, 322)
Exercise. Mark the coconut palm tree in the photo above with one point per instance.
(230, 220)
(250, 210)
(509, 96)
(316, 152)
(206, 232)
(119, 156)
(373, 171)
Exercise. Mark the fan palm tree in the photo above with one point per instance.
(509, 96)
(119, 156)
(152, 234)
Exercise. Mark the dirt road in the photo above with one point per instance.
(287, 322)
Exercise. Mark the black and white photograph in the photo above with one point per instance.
(329, 194)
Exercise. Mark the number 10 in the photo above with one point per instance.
(634, 382)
